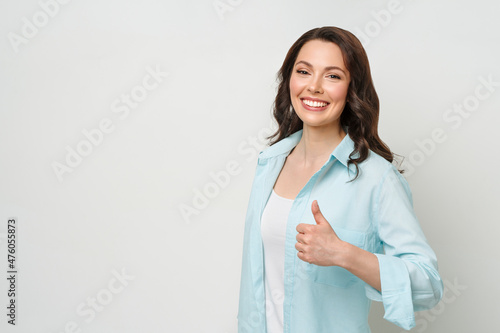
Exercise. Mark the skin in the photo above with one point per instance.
(319, 244)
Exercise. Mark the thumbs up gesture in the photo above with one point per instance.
(319, 244)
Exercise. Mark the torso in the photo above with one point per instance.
(293, 177)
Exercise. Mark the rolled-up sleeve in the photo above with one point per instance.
(408, 268)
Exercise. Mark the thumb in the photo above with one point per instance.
(318, 216)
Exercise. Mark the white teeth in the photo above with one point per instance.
(314, 103)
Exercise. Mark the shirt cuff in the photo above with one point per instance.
(396, 294)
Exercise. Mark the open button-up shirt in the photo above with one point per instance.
(374, 212)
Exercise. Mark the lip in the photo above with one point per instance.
(311, 108)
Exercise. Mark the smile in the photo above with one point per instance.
(314, 105)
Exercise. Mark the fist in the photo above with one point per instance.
(318, 243)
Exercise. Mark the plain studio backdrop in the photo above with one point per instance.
(130, 133)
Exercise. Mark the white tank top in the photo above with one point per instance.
(273, 230)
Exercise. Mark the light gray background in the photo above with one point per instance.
(119, 209)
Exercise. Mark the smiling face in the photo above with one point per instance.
(319, 83)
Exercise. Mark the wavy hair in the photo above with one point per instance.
(361, 112)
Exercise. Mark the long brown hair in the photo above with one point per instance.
(360, 114)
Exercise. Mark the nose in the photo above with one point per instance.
(315, 85)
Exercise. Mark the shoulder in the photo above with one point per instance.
(376, 168)
(378, 172)
(384, 176)
(282, 147)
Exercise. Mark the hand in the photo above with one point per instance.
(319, 244)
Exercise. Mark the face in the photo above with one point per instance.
(319, 83)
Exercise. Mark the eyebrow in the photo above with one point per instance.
(326, 68)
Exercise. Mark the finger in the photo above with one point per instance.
(301, 228)
(300, 238)
(318, 216)
(303, 257)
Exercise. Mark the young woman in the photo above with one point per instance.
(330, 224)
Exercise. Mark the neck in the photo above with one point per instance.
(317, 143)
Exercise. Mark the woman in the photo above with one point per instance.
(312, 269)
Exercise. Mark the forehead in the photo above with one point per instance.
(321, 54)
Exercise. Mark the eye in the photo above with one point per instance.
(333, 76)
(300, 71)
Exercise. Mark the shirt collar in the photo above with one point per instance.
(341, 152)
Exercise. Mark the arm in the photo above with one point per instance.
(361, 263)
(405, 278)
(408, 269)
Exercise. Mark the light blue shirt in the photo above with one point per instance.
(374, 212)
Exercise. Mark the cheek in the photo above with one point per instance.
(338, 92)
(295, 86)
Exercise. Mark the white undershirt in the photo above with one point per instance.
(273, 230)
